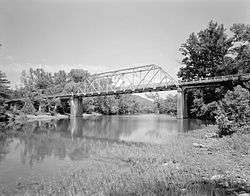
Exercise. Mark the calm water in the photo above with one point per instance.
(49, 149)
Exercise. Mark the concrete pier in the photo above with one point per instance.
(182, 111)
(76, 107)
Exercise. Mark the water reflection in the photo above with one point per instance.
(4, 147)
(69, 137)
(44, 148)
(185, 125)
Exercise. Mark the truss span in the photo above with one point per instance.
(125, 81)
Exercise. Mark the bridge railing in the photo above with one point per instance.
(215, 79)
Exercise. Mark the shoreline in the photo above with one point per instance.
(47, 117)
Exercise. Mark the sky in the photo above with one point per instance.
(104, 35)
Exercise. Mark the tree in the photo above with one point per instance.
(166, 105)
(88, 105)
(240, 51)
(157, 101)
(60, 77)
(107, 105)
(4, 91)
(59, 82)
(204, 53)
(169, 105)
(78, 75)
(4, 86)
(28, 107)
(36, 79)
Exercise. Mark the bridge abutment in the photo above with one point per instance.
(182, 110)
(76, 107)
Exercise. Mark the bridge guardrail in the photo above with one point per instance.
(211, 79)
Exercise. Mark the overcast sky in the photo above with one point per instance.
(104, 35)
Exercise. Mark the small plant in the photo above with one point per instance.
(224, 124)
(28, 107)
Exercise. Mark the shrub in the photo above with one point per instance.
(224, 124)
(28, 107)
(233, 111)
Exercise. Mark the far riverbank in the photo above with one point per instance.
(45, 117)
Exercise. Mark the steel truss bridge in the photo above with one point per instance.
(148, 78)
(124, 81)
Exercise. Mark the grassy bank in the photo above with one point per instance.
(122, 168)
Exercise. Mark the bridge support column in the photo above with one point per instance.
(76, 107)
(182, 104)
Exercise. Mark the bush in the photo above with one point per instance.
(28, 107)
(233, 111)
(224, 124)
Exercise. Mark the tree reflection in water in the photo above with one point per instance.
(4, 147)
(100, 127)
(47, 139)
(76, 138)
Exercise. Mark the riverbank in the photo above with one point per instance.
(45, 117)
(129, 168)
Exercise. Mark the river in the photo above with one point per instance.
(47, 150)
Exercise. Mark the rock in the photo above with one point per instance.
(216, 177)
(198, 145)
(211, 135)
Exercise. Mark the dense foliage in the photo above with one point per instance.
(233, 111)
(204, 53)
(167, 105)
(211, 52)
(4, 92)
(28, 107)
(4, 86)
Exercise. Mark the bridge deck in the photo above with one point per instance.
(218, 79)
(117, 92)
